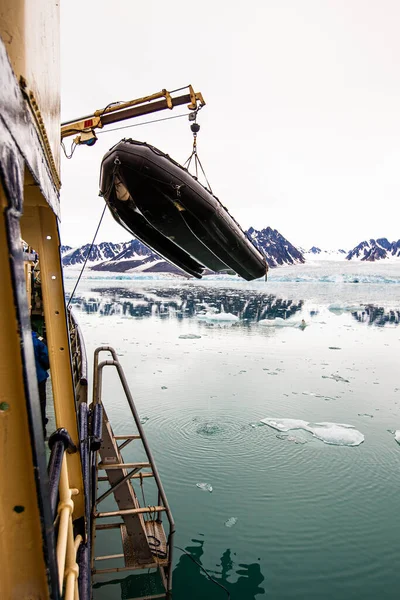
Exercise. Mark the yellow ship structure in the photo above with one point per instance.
(59, 496)
(50, 507)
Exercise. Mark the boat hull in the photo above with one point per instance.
(164, 206)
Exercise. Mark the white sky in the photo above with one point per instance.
(301, 130)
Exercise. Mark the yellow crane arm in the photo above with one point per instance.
(85, 127)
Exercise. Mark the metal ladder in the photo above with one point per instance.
(144, 542)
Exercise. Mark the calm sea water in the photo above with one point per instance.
(312, 520)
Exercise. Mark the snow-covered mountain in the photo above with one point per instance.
(316, 253)
(103, 252)
(277, 249)
(375, 250)
(134, 256)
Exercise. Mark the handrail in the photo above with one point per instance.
(62, 508)
(59, 442)
(97, 399)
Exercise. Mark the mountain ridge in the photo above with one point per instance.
(134, 256)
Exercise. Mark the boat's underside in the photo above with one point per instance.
(165, 207)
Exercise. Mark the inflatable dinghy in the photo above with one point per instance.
(167, 208)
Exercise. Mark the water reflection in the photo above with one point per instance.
(191, 582)
(377, 315)
(181, 303)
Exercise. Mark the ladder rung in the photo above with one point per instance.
(109, 526)
(130, 511)
(153, 565)
(127, 437)
(136, 476)
(115, 466)
(109, 557)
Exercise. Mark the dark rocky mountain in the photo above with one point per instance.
(375, 250)
(277, 249)
(134, 256)
(65, 249)
(103, 252)
(318, 251)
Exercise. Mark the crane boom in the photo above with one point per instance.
(85, 127)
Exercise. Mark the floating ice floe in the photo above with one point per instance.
(279, 322)
(340, 308)
(218, 317)
(144, 420)
(205, 487)
(338, 434)
(397, 436)
(231, 522)
(189, 336)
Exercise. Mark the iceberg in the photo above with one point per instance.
(397, 436)
(337, 434)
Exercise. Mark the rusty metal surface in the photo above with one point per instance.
(124, 495)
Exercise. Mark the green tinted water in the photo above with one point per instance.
(313, 520)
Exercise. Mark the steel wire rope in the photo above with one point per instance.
(74, 145)
(144, 123)
(87, 256)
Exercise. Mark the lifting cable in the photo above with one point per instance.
(195, 128)
(87, 255)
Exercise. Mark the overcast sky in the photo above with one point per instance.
(301, 131)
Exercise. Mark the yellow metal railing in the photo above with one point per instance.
(67, 545)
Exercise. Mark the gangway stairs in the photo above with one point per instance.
(144, 541)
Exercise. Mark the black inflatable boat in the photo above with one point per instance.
(166, 208)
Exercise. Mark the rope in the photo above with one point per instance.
(144, 123)
(205, 571)
(195, 129)
(87, 256)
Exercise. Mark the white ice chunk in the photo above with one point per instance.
(278, 322)
(222, 316)
(206, 487)
(397, 436)
(339, 308)
(286, 424)
(231, 522)
(189, 336)
(338, 434)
